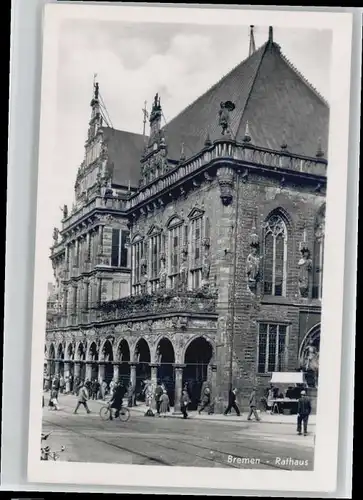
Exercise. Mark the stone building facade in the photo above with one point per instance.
(205, 266)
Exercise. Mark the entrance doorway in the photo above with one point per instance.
(197, 358)
(93, 354)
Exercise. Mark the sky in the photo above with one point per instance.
(133, 61)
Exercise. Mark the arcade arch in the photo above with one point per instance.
(198, 357)
(142, 358)
(165, 359)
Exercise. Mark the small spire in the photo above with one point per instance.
(252, 41)
(182, 152)
(247, 136)
(319, 152)
(207, 141)
(270, 34)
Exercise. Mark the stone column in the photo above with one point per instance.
(213, 382)
(178, 371)
(154, 381)
(57, 368)
(101, 372)
(133, 384)
(77, 370)
(88, 371)
(116, 372)
(49, 367)
(66, 374)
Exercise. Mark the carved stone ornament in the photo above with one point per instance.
(305, 265)
(225, 176)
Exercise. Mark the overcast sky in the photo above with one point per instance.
(134, 61)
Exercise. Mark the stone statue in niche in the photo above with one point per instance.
(163, 272)
(205, 269)
(224, 116)
(65, 211)
(183, 273)
(253, 268)
(310, 364)
(305, 267)
(144, 276)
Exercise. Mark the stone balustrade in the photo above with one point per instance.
(161, 302)
(102, 203)
(246, 154)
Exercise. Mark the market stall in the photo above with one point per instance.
(285, 391)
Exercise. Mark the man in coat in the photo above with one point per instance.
(116, 401)
(82, 398)
(232, 402)
(303, 412)
(253, 406)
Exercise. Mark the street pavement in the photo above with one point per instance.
(199, 441)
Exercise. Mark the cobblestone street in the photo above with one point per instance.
(200, 441)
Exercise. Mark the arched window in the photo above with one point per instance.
(319, 235)
(275, 256)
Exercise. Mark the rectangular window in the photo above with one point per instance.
(271, 347)
(119, 249)
(137, 255)
(175, 249)
(196, 253)
(155, 251)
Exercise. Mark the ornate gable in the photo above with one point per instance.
(174, 220)
(195, 213)
(154, 229)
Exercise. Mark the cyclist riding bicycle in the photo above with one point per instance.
(116, 400)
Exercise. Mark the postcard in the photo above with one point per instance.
(190, 247)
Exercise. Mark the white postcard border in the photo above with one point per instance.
(323, 478)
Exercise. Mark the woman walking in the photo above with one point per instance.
(164, 404)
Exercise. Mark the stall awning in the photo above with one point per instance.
(287, 378)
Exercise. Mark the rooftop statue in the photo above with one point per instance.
(225, 116)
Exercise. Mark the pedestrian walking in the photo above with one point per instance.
(206, 399)
(53, 400)
(232, 403)
(303, 412)
(95, 388)
(82, 399)
(158, 393)
(164, 404)
(103, 389)
(253, 406)
(184, 401)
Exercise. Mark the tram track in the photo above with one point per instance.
(161, 444)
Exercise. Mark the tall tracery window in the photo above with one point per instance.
(196, 251)
(275, 256)
(175, 242)
(318, 254)
(137, 256)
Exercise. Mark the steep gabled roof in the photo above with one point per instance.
(124, 150)
(278, 103)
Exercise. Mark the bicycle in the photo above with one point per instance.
(124, 413)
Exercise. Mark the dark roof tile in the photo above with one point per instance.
(124, 150)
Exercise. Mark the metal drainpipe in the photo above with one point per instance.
(234, 283)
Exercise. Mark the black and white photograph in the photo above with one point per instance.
(183, 244)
